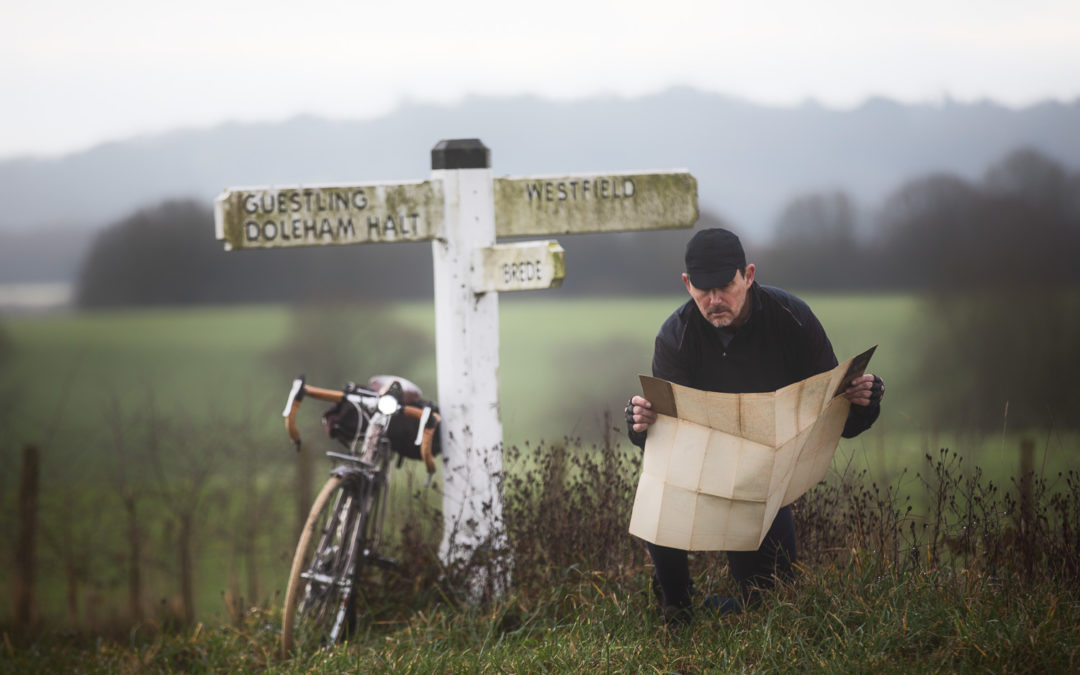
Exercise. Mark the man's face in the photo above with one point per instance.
(724, 306)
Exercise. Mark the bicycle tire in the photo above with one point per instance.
(319, 600)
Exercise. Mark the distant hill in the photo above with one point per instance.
(749, 159)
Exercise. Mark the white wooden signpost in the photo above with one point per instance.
(462, 209)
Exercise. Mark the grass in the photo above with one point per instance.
(887, 633)
(222, 374)
(855, 607)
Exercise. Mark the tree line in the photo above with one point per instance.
(1019, 223)
(932, 232)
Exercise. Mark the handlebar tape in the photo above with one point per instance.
(331, 395)
(290, 424)
(307, 390)
(429, 433)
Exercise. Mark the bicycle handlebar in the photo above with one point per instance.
(300, 390)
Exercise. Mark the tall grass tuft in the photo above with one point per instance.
(1019, 537)
(567, 506)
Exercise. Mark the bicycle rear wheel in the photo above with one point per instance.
(319, 601)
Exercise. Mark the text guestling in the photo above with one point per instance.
(310, 201)
(596, 188)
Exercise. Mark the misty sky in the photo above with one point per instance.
(74, 74)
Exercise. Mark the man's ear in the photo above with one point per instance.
(686, 282)
(749, 274)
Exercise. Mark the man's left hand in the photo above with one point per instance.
(865, 389)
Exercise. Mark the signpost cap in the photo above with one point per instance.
(461, 153)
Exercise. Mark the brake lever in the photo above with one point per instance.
(295, 394)
(292, 404)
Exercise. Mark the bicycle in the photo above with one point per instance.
(344, 526)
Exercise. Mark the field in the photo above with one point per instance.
(178, 411)
(562, 363)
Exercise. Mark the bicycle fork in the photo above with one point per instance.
(353, 532)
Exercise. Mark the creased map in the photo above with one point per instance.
(718, 467)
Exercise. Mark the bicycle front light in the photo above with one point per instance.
(388, 405)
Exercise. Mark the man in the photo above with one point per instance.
(736, 336)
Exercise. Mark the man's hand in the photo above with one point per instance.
(639, 413)
(865, 389)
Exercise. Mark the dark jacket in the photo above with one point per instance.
(782, 342)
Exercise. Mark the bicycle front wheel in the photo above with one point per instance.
(319, 601)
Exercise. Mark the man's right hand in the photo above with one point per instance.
(639, 411)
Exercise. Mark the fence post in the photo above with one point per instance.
(24, 547)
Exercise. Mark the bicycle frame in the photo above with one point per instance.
(370, 463)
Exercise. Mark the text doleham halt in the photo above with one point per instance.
(519, 266)
(594, 203)
(326, 215)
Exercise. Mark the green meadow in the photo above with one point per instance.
(562, 361)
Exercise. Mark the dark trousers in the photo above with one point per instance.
(753, 570)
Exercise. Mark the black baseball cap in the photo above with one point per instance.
(712, 258)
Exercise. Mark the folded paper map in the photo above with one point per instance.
(718, 467)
